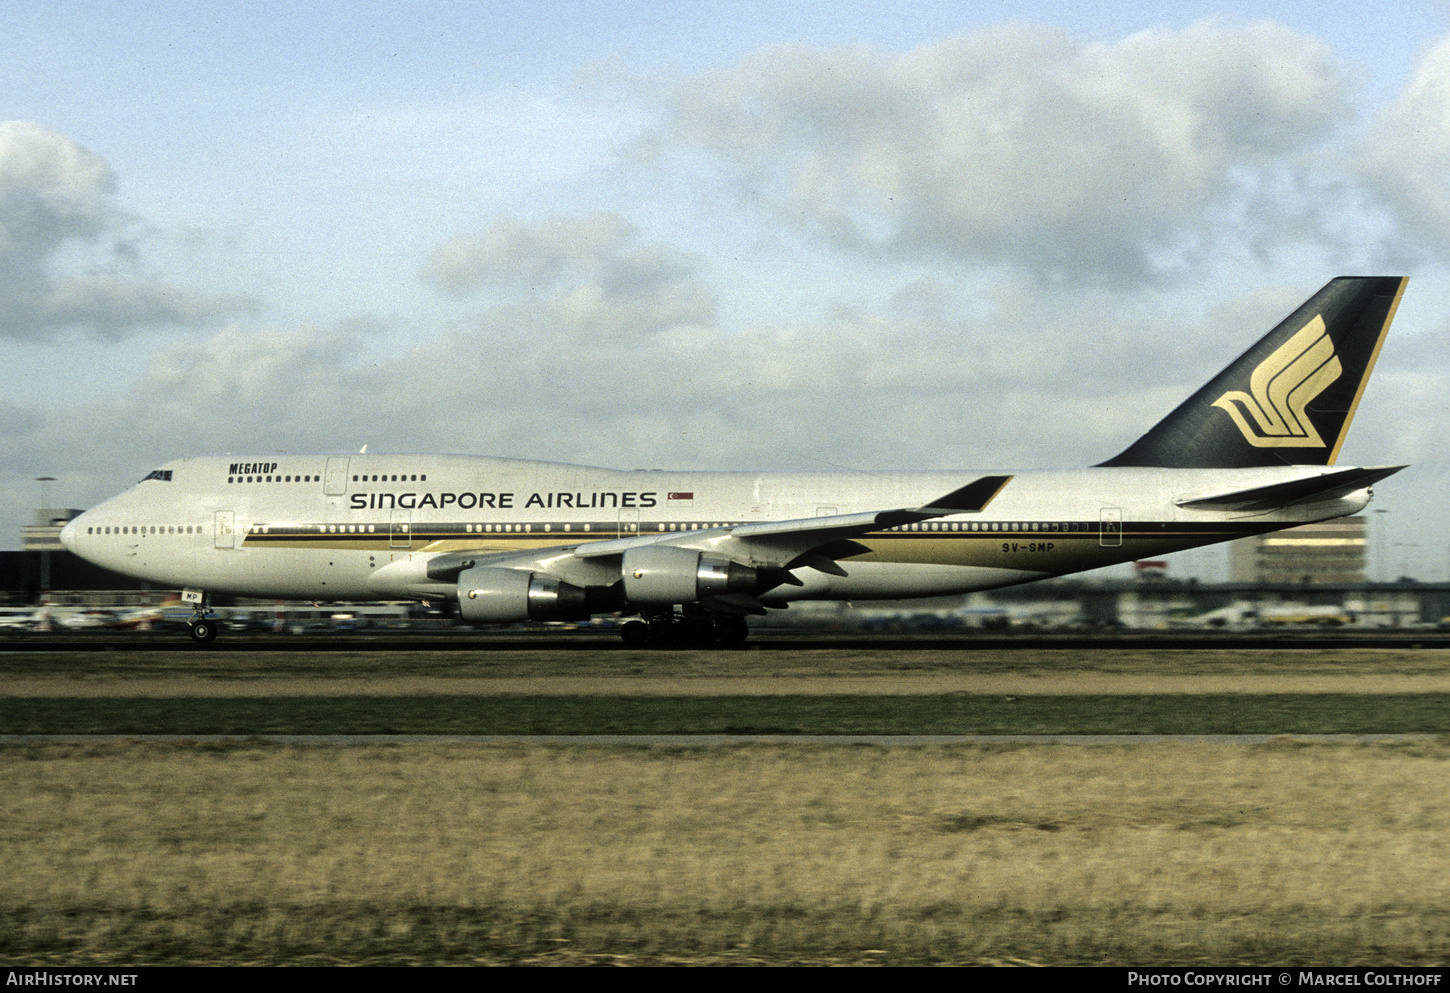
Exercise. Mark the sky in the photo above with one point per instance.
(775, 235)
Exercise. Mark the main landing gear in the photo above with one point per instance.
(668, 629)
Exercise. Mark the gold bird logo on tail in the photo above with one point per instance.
(1282, 386)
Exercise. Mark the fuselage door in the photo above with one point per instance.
(400, 529)
(628, 522)
(335, 482)
(226, 529)
(1110, 533)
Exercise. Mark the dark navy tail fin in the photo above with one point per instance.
(1289, 399)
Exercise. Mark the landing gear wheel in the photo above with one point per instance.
(203, 631)
(731, 632)
(635, 634)
(664, 629)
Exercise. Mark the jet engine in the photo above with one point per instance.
(493, 595)
(662, 575)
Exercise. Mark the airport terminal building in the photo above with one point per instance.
(1327, 552)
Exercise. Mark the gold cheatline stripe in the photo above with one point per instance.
(1140, 531)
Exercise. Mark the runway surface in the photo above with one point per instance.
(760, 640)
(718, 740)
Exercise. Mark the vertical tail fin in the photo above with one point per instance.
(1289, 399)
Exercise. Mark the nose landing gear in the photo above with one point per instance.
(203, 628)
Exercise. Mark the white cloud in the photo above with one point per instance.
(588, 274)
(1405, 159)
(1021, 144)
(51, 189)
(514, 254)
(592, 339)
(53, 193)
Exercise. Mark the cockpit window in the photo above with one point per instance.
(162, 474)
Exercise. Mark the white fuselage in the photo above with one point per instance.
(366, 526)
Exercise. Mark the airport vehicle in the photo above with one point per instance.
(1244, 613)
(692, 554)
(24, 620)
(137, 617)
(47, 617)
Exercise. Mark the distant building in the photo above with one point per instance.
(43, 535)
(1327, 552)
(1150, 570)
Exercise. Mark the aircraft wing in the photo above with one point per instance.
(775, 545)
(970, 499)
(781, 544)
(813, 541)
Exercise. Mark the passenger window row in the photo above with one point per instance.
(274, 479)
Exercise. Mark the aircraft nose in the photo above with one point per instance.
(69, 532)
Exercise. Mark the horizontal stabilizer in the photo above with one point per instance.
(1329, 486)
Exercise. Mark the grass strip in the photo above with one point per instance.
(566, 715)
(125, 852)
(771, 663)
(614, 934)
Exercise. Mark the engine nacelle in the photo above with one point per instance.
(494, 596)
(663, 575)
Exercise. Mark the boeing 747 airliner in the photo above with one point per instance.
(690, 555)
